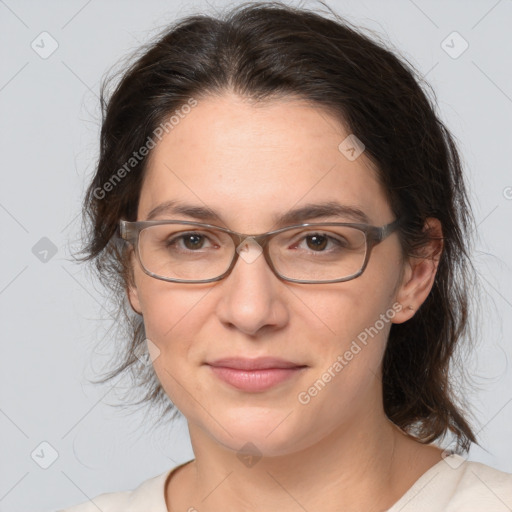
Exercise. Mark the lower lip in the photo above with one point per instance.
(255, 380)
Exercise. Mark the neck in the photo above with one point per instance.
(367, 466)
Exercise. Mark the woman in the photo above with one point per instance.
(288, 218)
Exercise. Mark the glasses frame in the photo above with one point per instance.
(130, 232)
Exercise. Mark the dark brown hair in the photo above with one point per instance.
(263, 51)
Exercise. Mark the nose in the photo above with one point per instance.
(252, 298)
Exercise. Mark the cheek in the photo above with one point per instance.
(345, 312)
(346, 378)
(165, 305)
(173, 318)
(349, 353)
(170, 324)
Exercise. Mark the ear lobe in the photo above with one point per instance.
(420, 272)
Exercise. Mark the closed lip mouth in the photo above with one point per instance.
(261, 363)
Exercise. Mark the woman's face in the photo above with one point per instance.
(251, 165)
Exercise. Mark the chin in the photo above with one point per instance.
(260, 432)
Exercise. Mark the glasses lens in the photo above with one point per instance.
(319, 253)
(179, 251)
(314, 253)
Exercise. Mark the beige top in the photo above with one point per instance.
(451, 485)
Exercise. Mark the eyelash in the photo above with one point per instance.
(304, 236)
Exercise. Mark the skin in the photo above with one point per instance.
(338, 452)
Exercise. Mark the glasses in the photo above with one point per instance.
(180, 251)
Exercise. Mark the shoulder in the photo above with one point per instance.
(457, 485)
(108, 502)
(477, 486)
(150, 493)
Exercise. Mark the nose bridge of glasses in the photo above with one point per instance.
(244, 240)
(250, 247)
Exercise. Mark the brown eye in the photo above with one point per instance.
(193, 241)
(189, 241)
(316, 242)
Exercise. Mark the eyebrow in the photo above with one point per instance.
(303, 214)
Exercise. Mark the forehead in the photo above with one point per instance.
(251, 162)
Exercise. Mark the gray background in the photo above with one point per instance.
(53, 315)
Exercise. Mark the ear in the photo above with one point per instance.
(419, 273)
(133, 298)
(131, 287)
